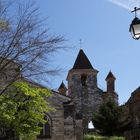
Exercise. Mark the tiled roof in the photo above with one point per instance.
(137, 90)
(82, 62)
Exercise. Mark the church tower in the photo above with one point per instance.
(83, 88)
(110, 91)
(62, 89)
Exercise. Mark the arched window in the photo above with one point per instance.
(46, 131)
(84, 80)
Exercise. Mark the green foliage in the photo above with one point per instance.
(97, 137)
(107, 119)
(22, 108)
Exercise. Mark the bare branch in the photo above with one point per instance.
(25, 44)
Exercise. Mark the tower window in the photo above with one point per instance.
(84, 80)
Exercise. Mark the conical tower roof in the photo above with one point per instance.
(62, 89)
(82, 62)
(110, 76)
(62, 86)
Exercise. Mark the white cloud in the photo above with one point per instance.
(127, 4)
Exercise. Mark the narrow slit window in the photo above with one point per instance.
(84, 80)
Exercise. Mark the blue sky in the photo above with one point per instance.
(103, 26)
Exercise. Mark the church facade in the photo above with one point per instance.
(79, 101)
(75, 103)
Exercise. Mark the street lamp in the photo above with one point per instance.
(135, 25)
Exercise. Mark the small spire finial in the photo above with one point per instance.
(80, 43)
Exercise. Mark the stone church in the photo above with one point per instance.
(76, 103)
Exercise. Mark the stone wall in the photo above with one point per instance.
(8, 73)
(58, 124)
(86, 94)
(79, 129)
(131, 116)
(69, 129)
(63, 120)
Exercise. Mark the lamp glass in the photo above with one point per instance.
(137, 28)
(135, 31)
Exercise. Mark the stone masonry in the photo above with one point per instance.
(83, 88)
(74, 106)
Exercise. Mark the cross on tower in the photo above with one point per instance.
(80, 43)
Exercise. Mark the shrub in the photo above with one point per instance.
(98, 137)
(107, 119)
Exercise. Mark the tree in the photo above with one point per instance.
(25, 40)
(26, 49)
(22, 109)
(107, 119)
